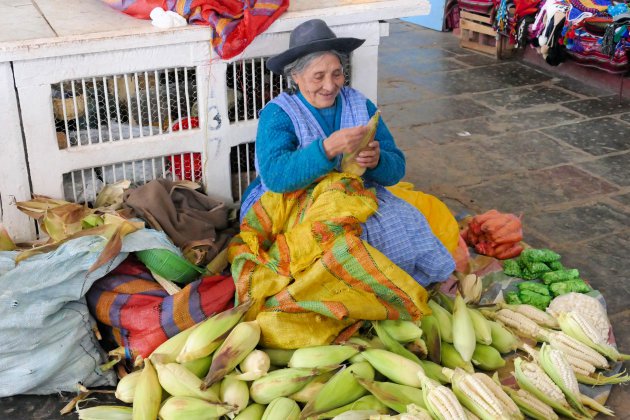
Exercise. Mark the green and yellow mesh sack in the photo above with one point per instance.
(300, 260)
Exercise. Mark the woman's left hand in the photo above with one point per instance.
(369, 156)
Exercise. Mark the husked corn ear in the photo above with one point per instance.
(578, 365)
(483, 333)
(517, 322)
(572, 347)
(180, 382)
(401, 331)
(530, 405)
(148, 394)
(445, 320)
(395, 367)
(199, 367)
(502, 339)
(533, 379)
(483, 396)
(282, 408)
(556, 366)
(126, 387)
(348, 162)
(487, 358)
(168, 351)
(251, 412)
(209, 334)
(440, 401)
(464, 338)
(180, 408)
(254, 365)
(343, 388)
(321, 356)
(235, 393)
(452, 359)
(105, 412)
(395, 396)
(310, 391)
(238, 344)
(367, 402)
(281, 383)
(541, 318)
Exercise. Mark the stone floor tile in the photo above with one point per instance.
(475, 60)
(432, 110)
(400, 91)
(581, 88)
(615, 169)
(625, 117)
(580, 223)
(622, 198)
(533, 118)
(598, 136)
(460, 130)
(407, 138)
(599, 107)
(519, 98)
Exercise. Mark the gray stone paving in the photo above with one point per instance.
(506, 135)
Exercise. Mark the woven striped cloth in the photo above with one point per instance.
(300, 259)
(139, 315)
(235, 23)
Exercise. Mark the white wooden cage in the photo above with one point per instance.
(89, 96)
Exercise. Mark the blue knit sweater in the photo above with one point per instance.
(285, 167)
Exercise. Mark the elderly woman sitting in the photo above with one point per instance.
(302, 136)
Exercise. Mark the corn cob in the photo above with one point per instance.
(279, 357)
(572, 347)
(343, 388)
(126, 387)
(209, 334)
(251, 412)
(588, 306)
(440, 401)
(395, 367)
(452, 359)
(533, 379)
(517, 322)
(281, 383)
(282, 408)
(463, 329)
(239, 343)
(433, 340)
(235, 393)
(105, 412)
(180, 382)
(574, 325)
(401, 331)
(321, 356)
(418, 347)
(199, 367)
(445, 320)
(367, 402)
(487, 358)
(148, 394)
(348, 162)
(168, 351)
(556, 366)
(539, 317)
(483, 334)
(579, 365)
(391, 344)
(502, 339)
(434, 371)
(310, 391)
(481, 395)
(530, 405)
(394, 396)
(175, 408)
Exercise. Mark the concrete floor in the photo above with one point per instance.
(483, 134)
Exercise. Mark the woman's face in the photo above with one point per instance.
(321, 80)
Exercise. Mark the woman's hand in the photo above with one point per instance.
(346, 140)
(369, 156)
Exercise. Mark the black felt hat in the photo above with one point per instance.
(309, 37)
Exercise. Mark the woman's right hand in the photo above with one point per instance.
(346, 140)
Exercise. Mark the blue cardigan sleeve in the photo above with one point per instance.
(283, 166)
(391, 166)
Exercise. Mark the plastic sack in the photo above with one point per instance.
(140, 315)
(440, 218)
(48, 344)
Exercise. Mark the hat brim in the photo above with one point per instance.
(344, 45)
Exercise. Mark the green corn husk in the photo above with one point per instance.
(394, 396)
(251, 412)
(539, 255)
(487, 357)
(511, 268)
(555, 265)
(564, 287)
(560, 275)
(512, 298)
(105, 412)
(391, 344)
(535, 299)
(367, 402)
(534, 286)
(452, 359)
